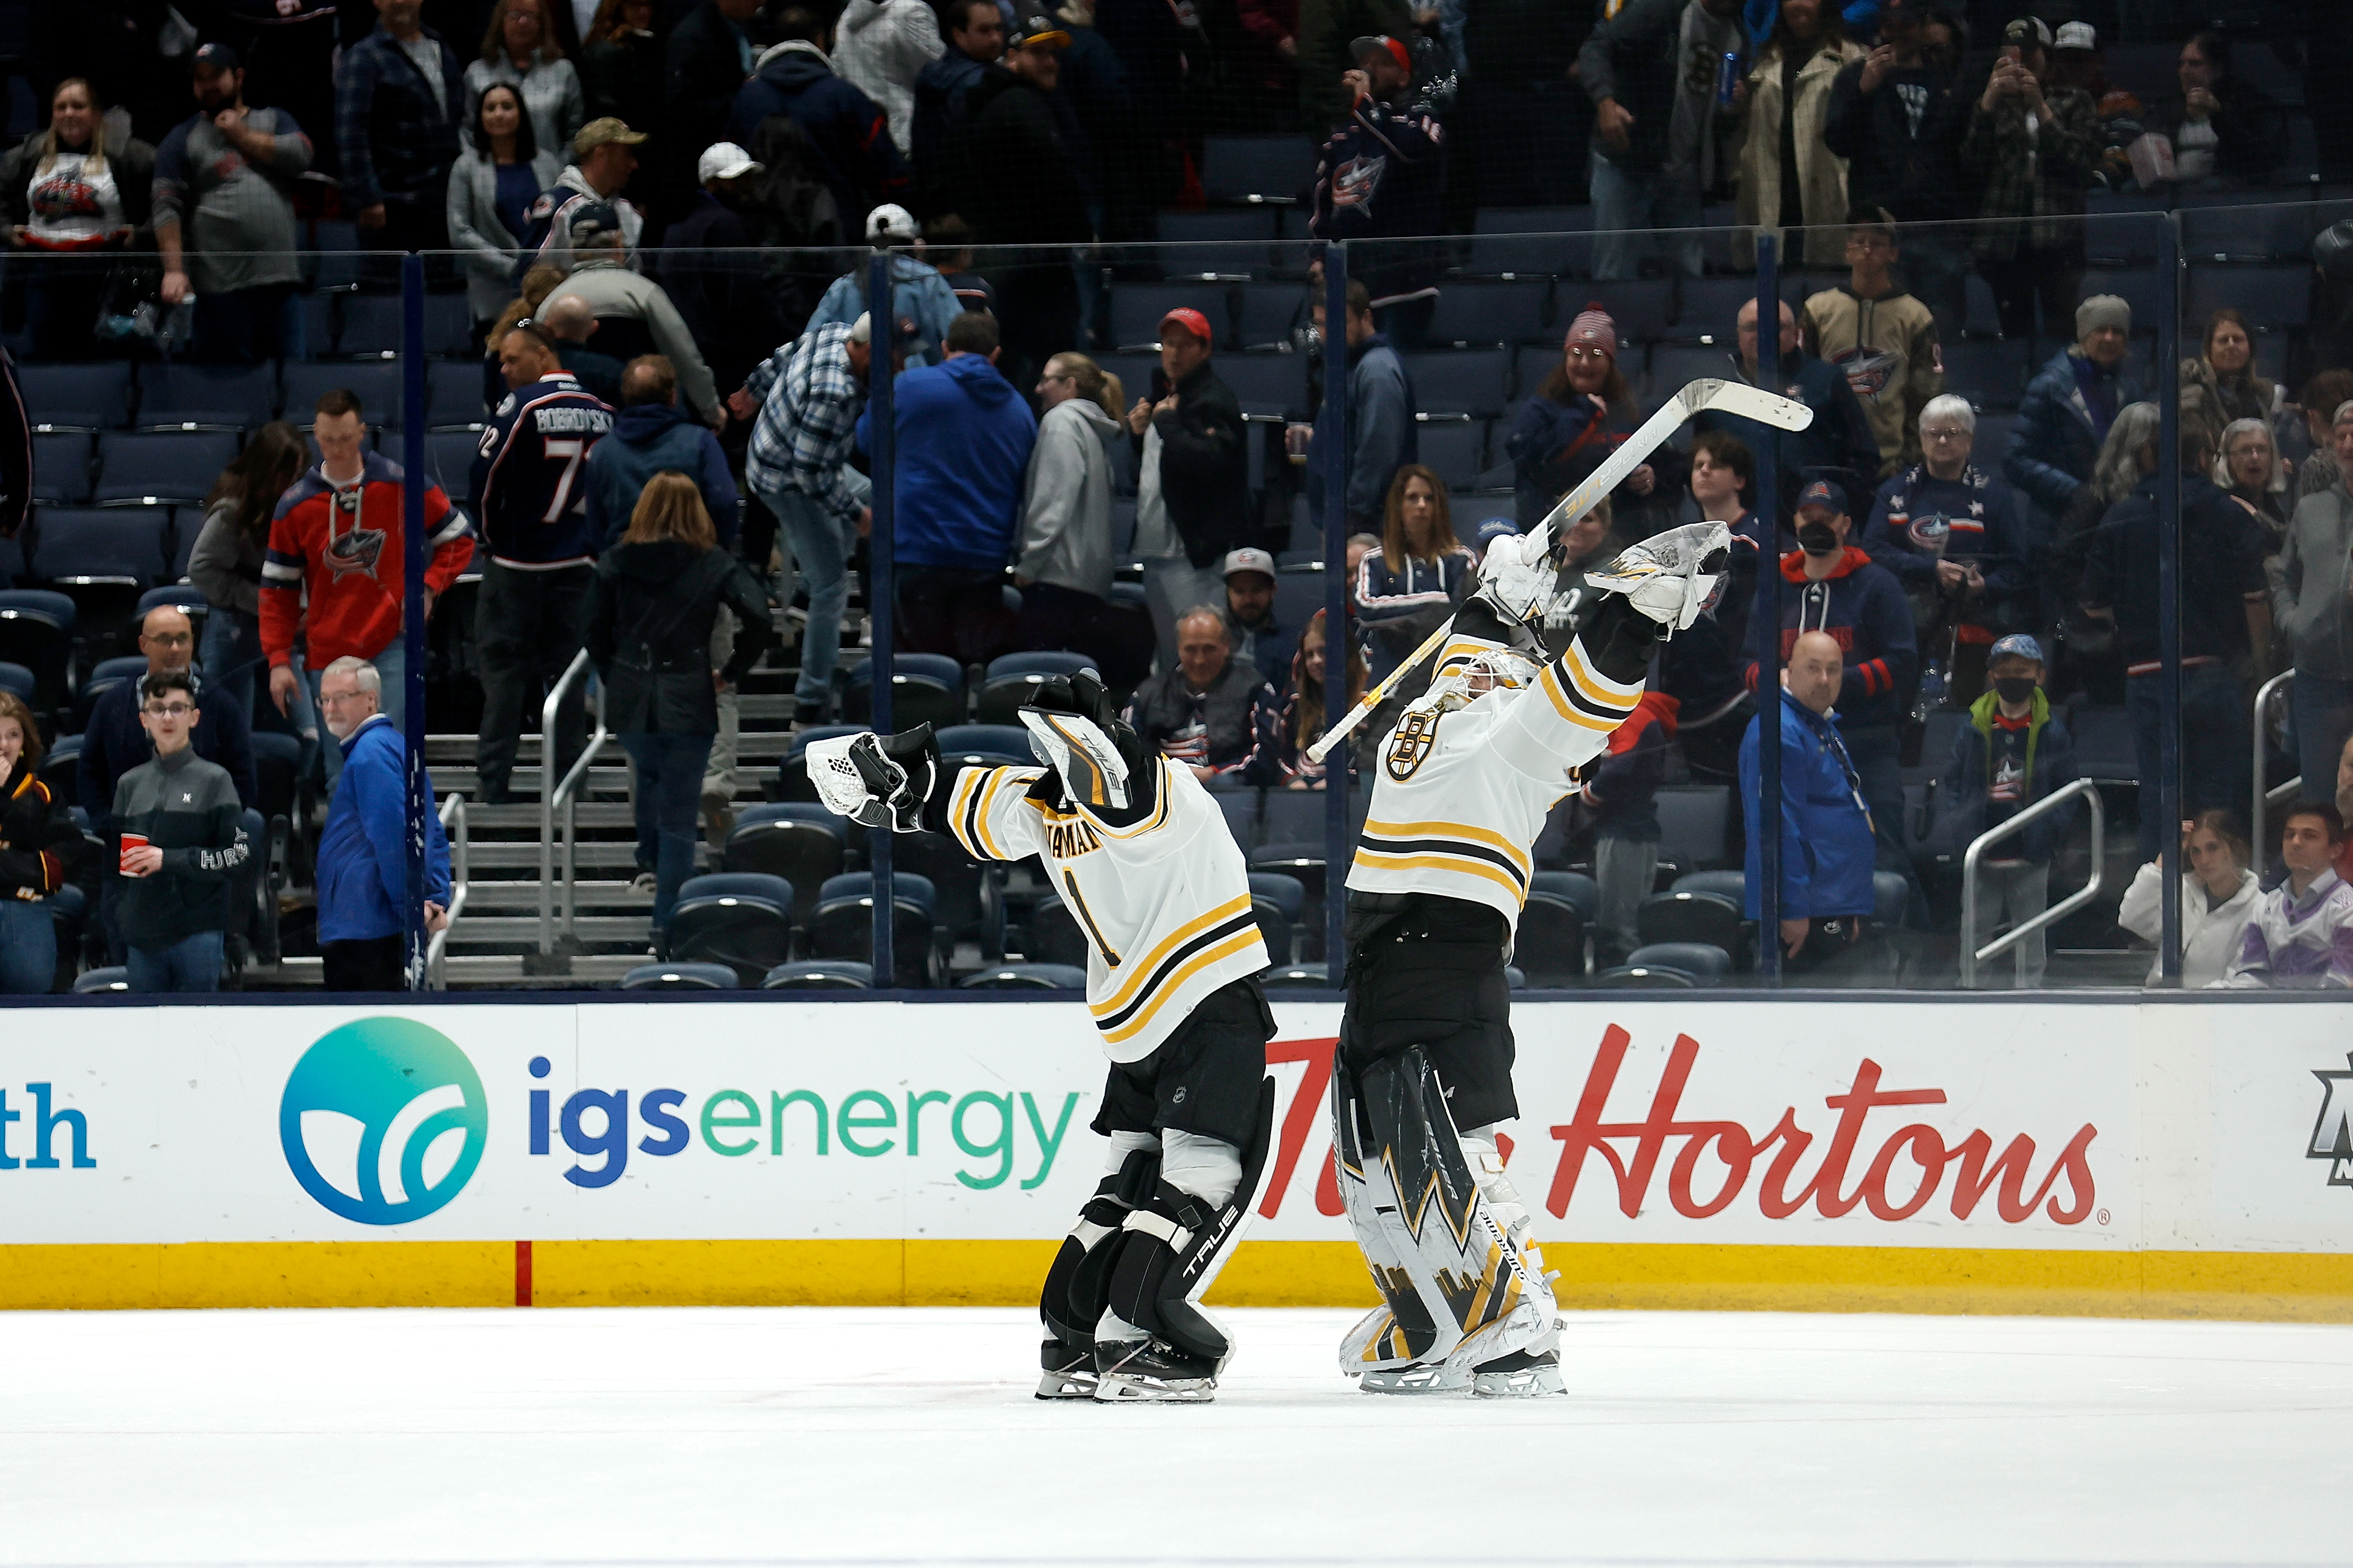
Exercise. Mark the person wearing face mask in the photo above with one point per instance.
(2218, 894)
(1832, 586)
(2013, 751)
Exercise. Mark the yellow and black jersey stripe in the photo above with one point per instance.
(1459, 847)
(974, 797)
(1460, 651)
(1228, 931)
(1576, 693)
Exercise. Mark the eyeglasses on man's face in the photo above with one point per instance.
(169, 709)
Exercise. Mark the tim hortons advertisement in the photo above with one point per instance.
(2106, 1127)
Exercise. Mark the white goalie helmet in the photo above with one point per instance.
(1497, 669)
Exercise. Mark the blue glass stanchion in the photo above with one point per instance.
(1766, 628)
(412, 618)
(882, 340)
(1334, 451)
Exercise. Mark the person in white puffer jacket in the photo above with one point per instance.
(880, 48)
(2218, 894)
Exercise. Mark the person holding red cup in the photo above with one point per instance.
(180, 838)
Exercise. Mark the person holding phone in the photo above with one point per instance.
(2035, 149)
(179, 838)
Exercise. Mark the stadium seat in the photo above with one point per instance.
(1642, 977)
(1991, 374)
(986, 745)
(1025, 977)
(95, 396)
(843, 926)
(792, 776)
(1692, 826)
(1267, 383)
(1298, 815)
(1218, 226)
(150, 468)
(106, 547)
(368, 325)
(819, 975)
(1138, 309)
(1240, 808)
(1710, 307)
(799, 842)
(93, 982)
(1303, 861)
(1299, 593)
(181, 596)
(1644, 308)
(679, 977)
(967, 897)
(36, 631)
(1254, 169)
(174, 397)
(1672, 367)
(1456, 447)
(2273, 299)
(1552, 944)
(2103, 744)
(449, 327)
(61, 469)
(17, 679)
(277, 766)
(107, 675)
(1010, 680)
(925, 689)
(1473, 314)
(1295, 976)
(1579, 892)
(1276, 903)
(745, 921)
(1053, 936)
(449, 461)
(1459, 381)
(1686, 917)
(1706, 965)
(1730, 886)
(453, 394)
(1530, 242)
(376, 384)
(1264, 316)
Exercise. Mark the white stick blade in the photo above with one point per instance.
(1748, 402)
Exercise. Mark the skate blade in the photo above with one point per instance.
(1066, 1385)
(1520, 1383)
(1432, 1377)
(1126, 1388)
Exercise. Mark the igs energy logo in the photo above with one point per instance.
(383, 1121)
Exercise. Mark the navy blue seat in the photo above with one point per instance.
(1710, 307)
(449, 326)
(1136, 310)
(926, 688)
(1278, 901)
(1991, 374)
(1643, 977)
(1264, 315)
(1574, 889)
(1456, 448)
(124, 548)
(61, 465)
(449, 460)
(107, 675)
(16, 677)
(1266, 383)
(843, 926)
(1689, 917)
(679, 977)
(1251, 169)
(2273, 299)
(1552, 945)
(1672, 367)
(181, 596)
(94, 396)
(172, 396)
(1296, 975)
(1730, 886)
(150, 468)
(999, 744)
(1240, 808)
(36, 631)
(1644, 308)
(1008, 681)
(1470, 314)
(1303, 861)
(820, 975)
(1053, 935)
(1459, 381)
(742, 919)
(1025, 977)
(453, 394)
(1299, 593)
(799, 843)
(376, 384)
(1707, 964)
(1692, 822)
(967, 895)
(1221, 225)
(368, 324)
(92, 981)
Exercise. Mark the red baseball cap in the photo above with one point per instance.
(1191, 321)
(1379, 44)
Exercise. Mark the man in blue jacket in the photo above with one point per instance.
(848, 138)
(2013, 751)
(1826, 832)
(1829, 586)
(2068, 407)
(653, 434)
(1382, 438)
(963, 439)
(363, 850)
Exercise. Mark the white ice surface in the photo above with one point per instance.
(880, 1437)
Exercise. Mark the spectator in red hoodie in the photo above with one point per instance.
(1832, 586)
(337, 539)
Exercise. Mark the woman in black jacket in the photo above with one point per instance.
(649, 620)
(40, 851)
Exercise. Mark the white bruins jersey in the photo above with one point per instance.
(1165, 902)
(1459, 797)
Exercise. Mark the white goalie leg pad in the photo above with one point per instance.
(1522, 1351)
(1393, 1347)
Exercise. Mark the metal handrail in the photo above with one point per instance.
(1972, 957)
(2258, 807)
(453, 822)
(553, 793)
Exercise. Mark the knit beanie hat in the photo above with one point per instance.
(1593, 328)
(2101, 310)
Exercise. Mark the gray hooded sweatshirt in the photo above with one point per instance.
(2313, 601)
(1066, 500)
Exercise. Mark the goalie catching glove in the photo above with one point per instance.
(876, 781)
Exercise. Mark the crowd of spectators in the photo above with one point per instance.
(614, 186)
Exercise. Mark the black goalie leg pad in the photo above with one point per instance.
(1174, 1245)
(1078, 1286)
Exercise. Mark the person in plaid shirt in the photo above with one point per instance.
(808, 395)
(2035, 149)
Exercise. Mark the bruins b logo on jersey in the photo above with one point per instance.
(1416, 738)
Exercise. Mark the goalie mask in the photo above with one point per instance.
(1499, 668)
(1074, 731)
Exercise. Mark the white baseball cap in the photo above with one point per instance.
(2077, 36)
(723, 161)
(892, 221)
(1246, 560)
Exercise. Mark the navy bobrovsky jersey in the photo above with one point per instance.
(530, 492)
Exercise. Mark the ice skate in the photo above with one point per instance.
(1069, 1371)
(1415, 1377)
(1522, 1375)
(1150, 1371)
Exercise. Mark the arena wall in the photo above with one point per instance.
(2167, 1157)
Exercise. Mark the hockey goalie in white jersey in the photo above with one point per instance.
(1460, 790)
(1142, 856)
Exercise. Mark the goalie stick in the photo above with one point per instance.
(1704, 395)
